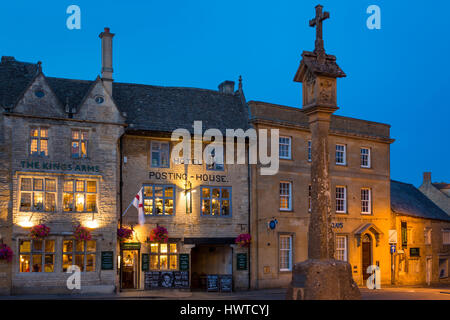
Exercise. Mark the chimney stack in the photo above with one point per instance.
(227, 87)
(107, 69)
(427, 177)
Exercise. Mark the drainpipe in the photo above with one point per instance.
(120, 206)
(249, 219)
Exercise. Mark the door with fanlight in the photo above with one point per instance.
(366, 255)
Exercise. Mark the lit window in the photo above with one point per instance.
(285, 148)
(365, 158)
(285, 253)
(163, 256)
(216, 201)
(79, 144)
(366, 201)
(309, 151)
(285, 196)
(38, 194)
(216, 161)
(79, 253)
(159, 154)
(39, 142)
(37, 255)
(341, 199)
(341, 154)
(80, 196)
(159, 200)
(341, 248)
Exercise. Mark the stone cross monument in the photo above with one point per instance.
(320, 277)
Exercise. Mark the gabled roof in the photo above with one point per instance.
(15, 76)
(146, 107)
(408, 200)
(441, 185)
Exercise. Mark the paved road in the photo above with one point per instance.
(272, 294)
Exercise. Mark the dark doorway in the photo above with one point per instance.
(130, 271)
(366, 255)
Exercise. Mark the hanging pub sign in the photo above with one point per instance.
(241, 261)
(107, 260)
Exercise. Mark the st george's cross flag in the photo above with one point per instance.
(138, 202)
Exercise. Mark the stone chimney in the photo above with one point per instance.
(107, 69)
(427, 177)
(227, 87)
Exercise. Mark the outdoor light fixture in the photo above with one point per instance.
(27, 223)
(188, 196)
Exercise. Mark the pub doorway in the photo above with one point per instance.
(130, 269)
(209, 260)
(366, 255)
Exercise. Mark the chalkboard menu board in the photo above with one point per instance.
(184, 262)
(414, 252)
(107, 260)
(166, 279)
(145, 262)
(241, 261)
(226, 283)
(212, 282)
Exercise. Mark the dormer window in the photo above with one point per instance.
(39, 142)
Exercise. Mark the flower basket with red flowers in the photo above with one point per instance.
(243, 240)
(159, 234)
(5, 253)
(40, 231)
(124, 233)
(82, 233)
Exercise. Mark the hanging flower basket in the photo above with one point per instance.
(243, 240)
(5, 253)
(40, 231)
(82, 233)
(159, 234)
(124, 233)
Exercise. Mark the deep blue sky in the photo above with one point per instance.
(397, 75)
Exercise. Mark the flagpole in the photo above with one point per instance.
(127, 208)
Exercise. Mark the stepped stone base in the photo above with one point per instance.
(323, 280)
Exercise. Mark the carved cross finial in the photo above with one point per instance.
(240, 83)
(317, 22)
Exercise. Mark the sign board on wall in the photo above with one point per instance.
(241, 261)
(145, 262)
(166, 279)
(184, 262)
(107, 260)
(392, 236)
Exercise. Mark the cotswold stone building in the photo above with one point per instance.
(60, 168)
(423, 232)
(360, 183)
(439, 193)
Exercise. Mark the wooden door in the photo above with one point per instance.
(366, 255)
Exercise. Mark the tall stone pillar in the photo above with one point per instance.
(320, 277)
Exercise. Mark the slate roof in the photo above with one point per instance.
(146, 107)
(408, 200)
(15, 77)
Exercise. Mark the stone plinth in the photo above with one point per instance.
(322, 280)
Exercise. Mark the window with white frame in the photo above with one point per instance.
(285, 147)
(285, 252)
(366, 201)
(446, 237)
(309, 198)
(159, 154)
(159, 200)
(38, 194)
(341, 199)
(285, 196)
(365, 157)
(341, 248)
(39, 142)
(309, 151)
(341, 157)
